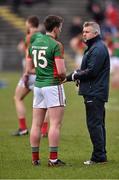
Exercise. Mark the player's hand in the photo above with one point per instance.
(65, 80)
(62, 79)
(70, 77)
(26, 79)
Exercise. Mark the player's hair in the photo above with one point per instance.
(52, 21)
(94, 25)
(33, 20)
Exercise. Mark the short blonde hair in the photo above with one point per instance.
(94, 25)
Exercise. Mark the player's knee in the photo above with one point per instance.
(56, 126)
(17, 98)
(35, 132)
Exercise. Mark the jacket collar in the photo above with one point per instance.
(90, 42)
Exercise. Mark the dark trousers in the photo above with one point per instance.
(95, 117)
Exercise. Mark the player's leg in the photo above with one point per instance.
(20, 94)
(55, 116)
(35, 133)
(39, 111)
(44, 128)
(55, 105)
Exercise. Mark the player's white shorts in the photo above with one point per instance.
(30, 82)
(50, 96)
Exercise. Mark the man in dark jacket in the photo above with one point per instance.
(93, 79)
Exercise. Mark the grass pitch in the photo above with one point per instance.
(75, 145)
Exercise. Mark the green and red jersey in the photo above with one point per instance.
(44, 51)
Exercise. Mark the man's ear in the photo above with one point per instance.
(55, 29)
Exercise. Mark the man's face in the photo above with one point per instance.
(88, 33)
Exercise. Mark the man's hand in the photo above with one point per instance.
(70, 77)
(65, 80)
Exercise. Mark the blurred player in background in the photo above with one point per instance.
(46, 54)
(26, 83)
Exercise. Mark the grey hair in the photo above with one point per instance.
(94, 25)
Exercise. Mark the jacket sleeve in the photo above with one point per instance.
(95, 62)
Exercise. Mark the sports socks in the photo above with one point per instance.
(22, 123)
(35, 153)
(53, 156)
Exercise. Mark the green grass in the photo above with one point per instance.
(75, 145)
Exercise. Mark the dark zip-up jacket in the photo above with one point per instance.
(95, 70)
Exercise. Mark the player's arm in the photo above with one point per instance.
(60, 65)
(60, 68)
(29, 68)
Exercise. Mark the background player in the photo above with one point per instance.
(25, 85)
